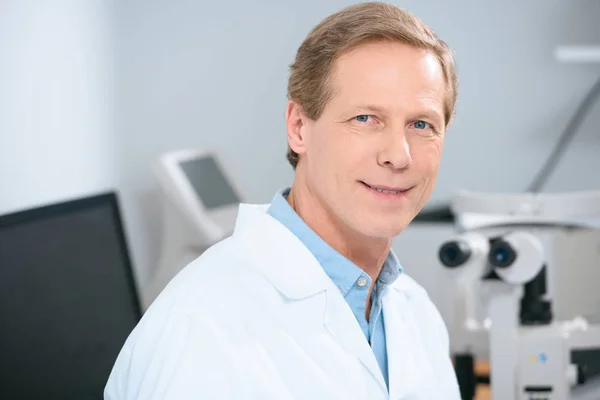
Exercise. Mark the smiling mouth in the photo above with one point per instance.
(385, 189)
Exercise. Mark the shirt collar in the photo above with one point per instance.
(343, 272)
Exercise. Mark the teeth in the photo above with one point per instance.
(386, 191)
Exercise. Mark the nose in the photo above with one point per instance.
(395, 152)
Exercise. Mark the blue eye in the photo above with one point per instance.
(362, 118)
(421, 125)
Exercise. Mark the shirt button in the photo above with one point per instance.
(362, 281)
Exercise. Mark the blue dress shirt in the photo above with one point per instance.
(353, 282)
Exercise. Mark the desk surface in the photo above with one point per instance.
(483, 392)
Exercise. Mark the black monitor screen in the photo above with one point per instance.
(209, 183)
(67, 299)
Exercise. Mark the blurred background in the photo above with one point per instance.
(94, 92)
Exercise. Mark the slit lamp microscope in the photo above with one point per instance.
(526, 269)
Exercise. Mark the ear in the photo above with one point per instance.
(296, 124)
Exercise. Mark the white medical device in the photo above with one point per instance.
(199, 208)
(527, 268)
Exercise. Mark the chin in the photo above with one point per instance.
(388, 232)
(382, 229)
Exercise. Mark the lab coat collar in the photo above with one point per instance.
(279, 254)
(288, 264)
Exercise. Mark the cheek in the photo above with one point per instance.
(334, 147)
(324, 157)
(316, 146)
(427, 155)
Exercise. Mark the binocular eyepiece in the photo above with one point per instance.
(455, 253)
(502, 254)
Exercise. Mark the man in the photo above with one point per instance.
(306, 300)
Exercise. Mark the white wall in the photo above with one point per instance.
(57, 133)
(213, 75)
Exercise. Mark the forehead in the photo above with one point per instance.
(391, 73)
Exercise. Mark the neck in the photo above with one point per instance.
(366, 252)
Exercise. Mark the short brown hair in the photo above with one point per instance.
(348, 28)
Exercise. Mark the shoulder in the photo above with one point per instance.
(209, 283)
(415, 294)
(408, 285)
(185, 329)
(424, 311)
(412, 291)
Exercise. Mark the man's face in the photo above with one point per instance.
(372, 157)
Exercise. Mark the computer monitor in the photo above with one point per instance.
(209, 182)
(199, 207)
(68, 299)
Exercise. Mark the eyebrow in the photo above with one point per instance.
(433, 113)
(370, 108)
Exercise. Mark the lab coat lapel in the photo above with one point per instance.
(342, 324)
(408, 371)
(280, 256)
(295, 272)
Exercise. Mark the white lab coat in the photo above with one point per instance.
(256, 317)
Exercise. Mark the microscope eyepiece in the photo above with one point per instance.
(502, 254)
(454, 254)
